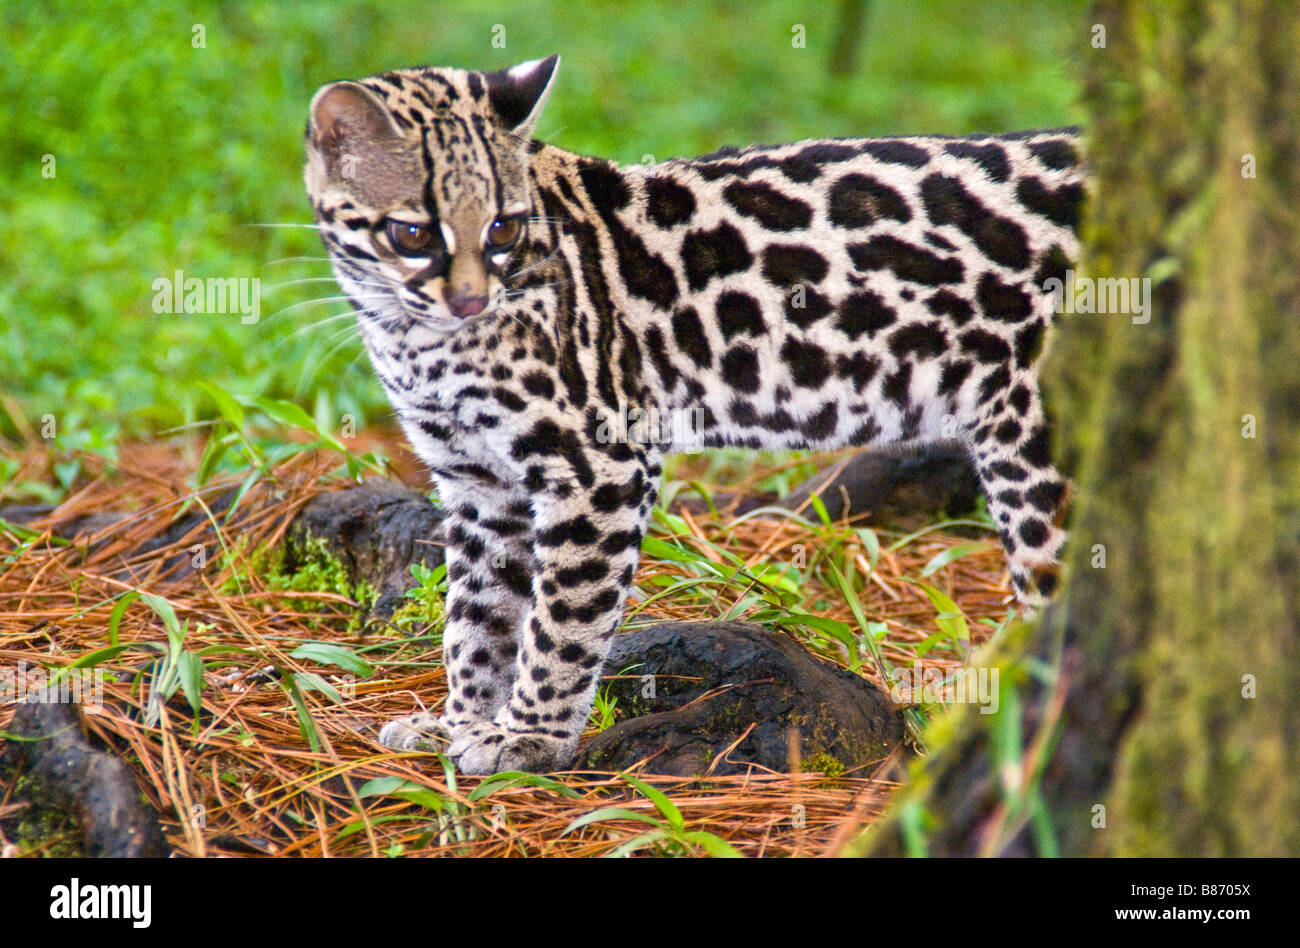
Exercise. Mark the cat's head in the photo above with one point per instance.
(418, 182)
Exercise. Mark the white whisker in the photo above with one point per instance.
(319, 279)
(360, 353)
(348, 338)
(523, 290)
(347, 314)
(333, 349)
(285, 340)
(296, 260)
(324, 299)
(531, 267)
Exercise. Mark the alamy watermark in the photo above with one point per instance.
(927, 685)
(37, 685)
(1106, 296)
(215, 295)
(133, 903)
(683, 428)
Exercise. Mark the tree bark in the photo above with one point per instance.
(1163, 684)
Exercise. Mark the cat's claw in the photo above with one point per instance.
(415, 732)
(489, 748)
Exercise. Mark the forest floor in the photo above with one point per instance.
(245, 702)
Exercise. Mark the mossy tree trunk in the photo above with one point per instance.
(1164, 683)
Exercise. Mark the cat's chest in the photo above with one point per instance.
(460, 404)
(433, 391)
(454, 431)
(445, 443)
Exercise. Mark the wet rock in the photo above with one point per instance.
(82, 527)
(23, 514)
(713, 681)
(871, 487)
(377, 530)
(887, 486)
(64, 777)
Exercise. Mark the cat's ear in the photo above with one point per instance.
(346, 117)
(518, 94)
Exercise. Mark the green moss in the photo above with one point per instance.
(821, 736)
(823, 763)
(318, 570)
(636, 706)
(728, 720)
(36, 825)
(312, 568)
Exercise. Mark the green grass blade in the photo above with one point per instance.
(659, 799)
(713, 845)
(953, 554)
(306, 724)
(605, 814)
(226, 404)
(326, 653)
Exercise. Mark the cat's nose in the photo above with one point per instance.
(464, 303)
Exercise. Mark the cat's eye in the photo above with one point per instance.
(504, 233)
(409, 239)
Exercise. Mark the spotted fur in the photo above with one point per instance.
(813, 295)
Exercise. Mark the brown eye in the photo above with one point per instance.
(503, 233)
(409, 239)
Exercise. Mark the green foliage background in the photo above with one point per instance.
(168, 156)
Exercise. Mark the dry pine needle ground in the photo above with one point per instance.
(246, 779)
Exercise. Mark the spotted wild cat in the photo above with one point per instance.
(814, 295)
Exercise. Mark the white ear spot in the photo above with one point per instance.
(524, 70)
(518, 93)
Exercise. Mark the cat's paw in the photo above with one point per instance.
(490, 748)
(414, 732)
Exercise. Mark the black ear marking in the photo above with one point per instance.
(518, 94)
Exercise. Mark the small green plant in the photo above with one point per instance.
(954, 630)
(603, 710)
(667, 837)
(176, 669)
(425, 600)
(449, 814)
(313, 569)
(453, 820)
(294, 684)
(235, 446)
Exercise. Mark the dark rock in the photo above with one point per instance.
(83, 526)
(65, 777)
(890, 485)
(23, 514)
(377, 530)
(761, 678)
(70, 528)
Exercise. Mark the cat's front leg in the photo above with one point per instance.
(587, 545)
(489, 576)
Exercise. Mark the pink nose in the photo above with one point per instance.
(463, 305)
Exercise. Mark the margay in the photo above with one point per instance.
(514, 297)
